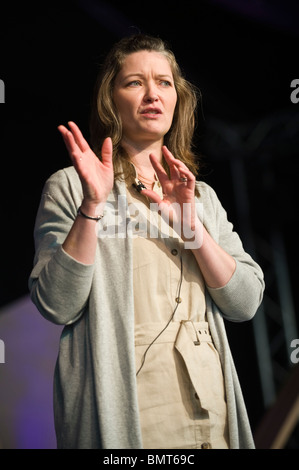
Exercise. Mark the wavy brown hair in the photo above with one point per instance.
(105, 120)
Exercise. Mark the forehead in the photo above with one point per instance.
(143, 61)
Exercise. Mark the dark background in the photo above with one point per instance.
(242, 55)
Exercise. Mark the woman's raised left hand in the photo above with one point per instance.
(178, 203)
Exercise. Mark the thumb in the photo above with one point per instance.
(107, 151)
(152, 195)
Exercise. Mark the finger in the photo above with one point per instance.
(161, 173)
(178, 168)
(107, 151)
(171, 162)
(169, 157)
(78, 136)
(68, 140)
(152, 195)
(174, 163)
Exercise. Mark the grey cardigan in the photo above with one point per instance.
(95, 397)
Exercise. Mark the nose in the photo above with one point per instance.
(150, 95)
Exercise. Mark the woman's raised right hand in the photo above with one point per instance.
(96, 175)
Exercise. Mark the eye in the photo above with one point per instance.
(165, 83)
(134, 83)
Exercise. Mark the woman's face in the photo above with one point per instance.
(145, 96)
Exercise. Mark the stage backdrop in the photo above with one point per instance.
(29, 347)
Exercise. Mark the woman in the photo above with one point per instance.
(140, 264)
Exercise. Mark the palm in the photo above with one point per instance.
(178, 203)
(177, 192)
(96, 175)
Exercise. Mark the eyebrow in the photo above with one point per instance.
(138, 74)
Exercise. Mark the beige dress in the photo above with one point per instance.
(179, 377)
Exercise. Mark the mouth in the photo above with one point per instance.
(151, 112)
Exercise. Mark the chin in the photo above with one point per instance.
(155, 131)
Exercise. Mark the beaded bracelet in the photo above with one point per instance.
(79, 212)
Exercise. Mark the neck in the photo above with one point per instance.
(139, 156)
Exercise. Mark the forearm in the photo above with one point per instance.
(234, 283)
(233, 279)
(216, 265)
(81, 241)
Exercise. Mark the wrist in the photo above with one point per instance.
(193, 236)
(92, 209)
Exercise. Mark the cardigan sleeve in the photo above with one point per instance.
(240, 298)
(59, 285)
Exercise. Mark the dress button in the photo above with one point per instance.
(174, 252)
(178, 300)
(206, 445)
